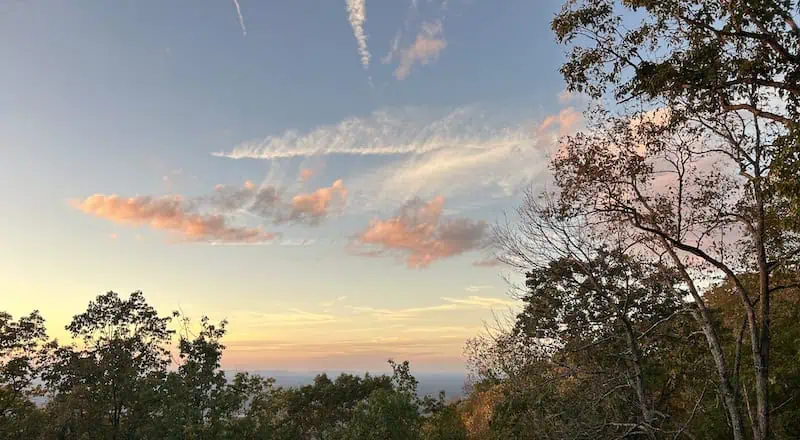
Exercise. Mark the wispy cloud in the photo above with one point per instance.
(205, 218)
(473, 288)
(291, 317)
(425, 49)
(430, 153)
(502, 159)
(333, 301)
(387, 133)
(357, 15)
(567, 120)
(266, 202)
(478, 152)
(169, 213)
(487, 262)
(420, 234)
(241, 18)
(449, 305)
(481, 302)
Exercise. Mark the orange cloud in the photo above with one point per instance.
(168, 213)
(314, 206)
(306, 174)
(263, 201)
(567, 120)
(426, 48)
(419, 232)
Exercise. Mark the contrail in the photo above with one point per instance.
(241, 19)
(410, 131)
(357, 14)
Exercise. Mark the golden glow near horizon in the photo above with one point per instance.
(334, 203)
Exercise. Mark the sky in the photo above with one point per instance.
(322, 174)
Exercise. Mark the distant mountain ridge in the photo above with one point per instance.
(429, 383)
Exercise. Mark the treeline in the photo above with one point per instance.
(120, 380)
(662, 267)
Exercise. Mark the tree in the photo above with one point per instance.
(785, 374)
(608, 322)
(20, 340)
(114, 381)
(107, 386)
(445, 422)
(724, 77)
(389, 414)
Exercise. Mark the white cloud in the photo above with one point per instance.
(482, 302)
(357, 15)
(385, 132)
(502, 160)
(241, 18)
(333, 301)
(429, 153)
(292, 317)
(449, 305)
(473, 288)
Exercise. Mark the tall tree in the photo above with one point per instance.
(708, 92)
(114, 373)
(20, 341)
(610, 315)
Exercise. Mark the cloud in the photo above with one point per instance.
(567, 120)
(394, 47)
(449, 305)
(306, 174)
(420, 234)
(241, 18)
(333, 301)
(315, 206)
(387, 132)
(425, 49)
(473, 288)
(292, 317)
(483, 153)
(481, 302)
(357, 15)
(298, 242)
(169, 213)
(265, 201)
(495, 158)
(487, 262)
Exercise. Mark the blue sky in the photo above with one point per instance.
(110, 113)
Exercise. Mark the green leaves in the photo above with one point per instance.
(121, 381)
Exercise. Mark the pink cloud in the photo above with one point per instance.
(318, 204)
(420, 234)
(168, 213)
(426, 48)
(567, 120)
(306, 174)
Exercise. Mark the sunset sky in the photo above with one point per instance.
(323, 174)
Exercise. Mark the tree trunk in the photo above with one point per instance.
(701, 315)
